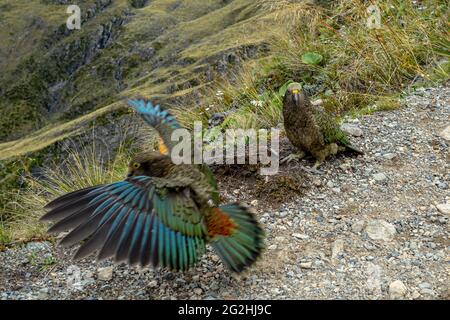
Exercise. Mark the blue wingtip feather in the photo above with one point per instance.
(153, 114)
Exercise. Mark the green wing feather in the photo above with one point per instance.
(330, 128)
(137, 220)
(332, 131)
(215, 196)
(243, 246)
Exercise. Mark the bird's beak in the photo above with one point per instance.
(296, 94)
(130, 174)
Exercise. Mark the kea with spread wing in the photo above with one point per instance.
(162, 214)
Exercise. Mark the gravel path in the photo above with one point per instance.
(371, 227)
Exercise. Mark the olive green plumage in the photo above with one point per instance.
(162, 214)
(310, 128)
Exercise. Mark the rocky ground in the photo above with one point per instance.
(369, 227)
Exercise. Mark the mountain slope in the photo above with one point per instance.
(164, 50)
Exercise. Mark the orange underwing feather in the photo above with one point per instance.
(162, 148)
(220, 224)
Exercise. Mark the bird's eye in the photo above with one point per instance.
(136, 165)
(295, 91)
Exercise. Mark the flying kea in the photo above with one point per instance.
(162, 214)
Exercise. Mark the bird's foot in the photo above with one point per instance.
(312, 170)
(293, 157)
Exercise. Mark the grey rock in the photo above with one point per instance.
(38, 246)
(358, 226)
(217, 118)
(306, 265)
(336, 249)
(345, 166)
(300, 236)
(373, 283)
(397, 290)
(428, 292)
(352, 129)
(317, 182)
(379, 177)
(43, 293)
(380, 230)
(389, 156)
(445, 134)
(443, 208)
(198, 291)
(425, 285)
(105, 274)
(283, 214)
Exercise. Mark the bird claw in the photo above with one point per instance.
(299, 156)
(292, 157)
(312, 170)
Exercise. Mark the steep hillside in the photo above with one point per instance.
(162, 48)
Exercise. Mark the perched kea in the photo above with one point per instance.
(311, 129)
(162, 214)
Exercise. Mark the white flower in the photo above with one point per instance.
(257, 103)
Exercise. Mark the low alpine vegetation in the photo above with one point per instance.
(338, 59)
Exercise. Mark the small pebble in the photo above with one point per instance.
(105, 274)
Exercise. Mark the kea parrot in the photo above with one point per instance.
(311, 129)
(161, 214)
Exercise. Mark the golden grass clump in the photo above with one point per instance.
(361, 64)
(83, 166)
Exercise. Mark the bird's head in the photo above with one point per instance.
(151, 164)
(294, 93)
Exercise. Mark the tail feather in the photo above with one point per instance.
(242, 246)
